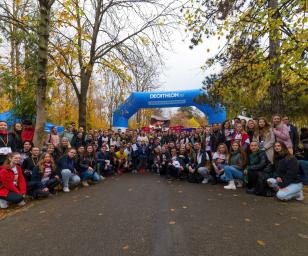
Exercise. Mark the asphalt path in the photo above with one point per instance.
(149, 216)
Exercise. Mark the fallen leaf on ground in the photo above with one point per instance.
(261, 242)
(42, 212)
(235, 194)
(125, 247)
(180, 191)
(172, 209)
(100, 214)
(184, 207)
(303, 236)
(172, 222)
(277, 224)
(247, 220)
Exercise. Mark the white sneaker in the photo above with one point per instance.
(4, 204)
(102, 177)
(205, 181)
(300, 196)
(22, 203)
(66, 189)
(231, 185)
(85, 183)
(239, 183)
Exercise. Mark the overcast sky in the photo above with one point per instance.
(183, 66)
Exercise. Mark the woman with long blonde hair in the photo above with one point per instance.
(45, 172)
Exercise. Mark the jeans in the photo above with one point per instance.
(13, 197)
(304, 166)
(203, 171)
(287, 193)
(90, 175)
(69, 178)
(232, 173)
(51, 184)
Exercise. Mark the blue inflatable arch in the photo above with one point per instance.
(170, 99)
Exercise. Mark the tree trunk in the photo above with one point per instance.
(275, 87)
(43, 37)
(82, 99)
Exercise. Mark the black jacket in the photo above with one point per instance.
(204, 159)
(294, 136)
(287, 168)
(216, 138)
(28, 165)
(259, 163)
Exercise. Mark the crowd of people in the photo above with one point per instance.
(267, 159)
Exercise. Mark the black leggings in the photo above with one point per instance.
(13, 197)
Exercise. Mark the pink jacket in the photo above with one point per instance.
(282, 135)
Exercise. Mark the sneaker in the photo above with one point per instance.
(4, 204)
(231, 185)
(102, 177)
(85, 183)
(22, 203)
(66, 189)
(205, 181)
(239, 183)
(300, 196)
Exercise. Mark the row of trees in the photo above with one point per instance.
(71, 54)
(263, 54)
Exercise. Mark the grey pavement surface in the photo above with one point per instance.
(146, 215)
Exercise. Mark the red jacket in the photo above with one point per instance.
(27, 134)
(7, 181)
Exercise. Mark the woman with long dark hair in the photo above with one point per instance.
(235, 168)
(286, 179)
(227, 132)
(87, 166)
(16, 132)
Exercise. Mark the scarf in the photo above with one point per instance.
(3, 132)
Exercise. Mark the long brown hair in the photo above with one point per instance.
(41, 163)
(284, 152)
(242, 152)
(264, 131)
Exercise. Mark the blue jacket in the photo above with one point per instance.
(66, 163)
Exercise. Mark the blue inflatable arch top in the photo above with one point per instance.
(138, 100)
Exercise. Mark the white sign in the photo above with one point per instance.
(165, 95)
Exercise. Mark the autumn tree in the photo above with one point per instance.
(263, 53)
(103, 33)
